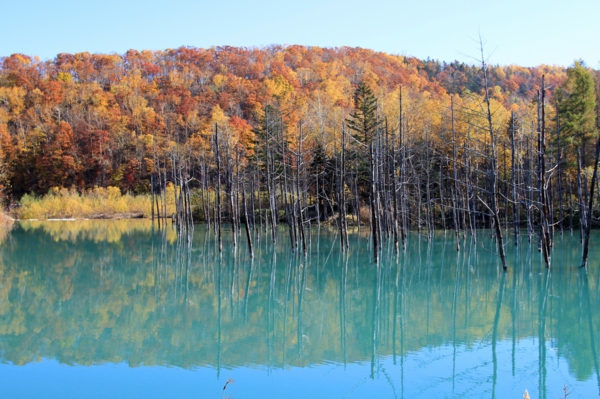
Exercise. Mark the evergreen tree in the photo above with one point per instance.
(364, 123)
(577, 109)
(364, 118)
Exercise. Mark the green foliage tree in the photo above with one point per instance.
(364, 118)
(364, 123)
(577, 109)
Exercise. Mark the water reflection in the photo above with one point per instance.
(92, 293)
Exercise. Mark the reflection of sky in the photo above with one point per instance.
(429, 372)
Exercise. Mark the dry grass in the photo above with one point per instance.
(364, 215)
(97, 203)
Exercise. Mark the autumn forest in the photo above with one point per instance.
(298, 135)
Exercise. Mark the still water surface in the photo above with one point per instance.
(107, 309)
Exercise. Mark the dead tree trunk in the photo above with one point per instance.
(582, 217)
(374, 216)
(248, 235)
(454, 186)
(588, 224)
(402, 188)
(218, 210)
(494, 171)
(544, 202)
(515, 204)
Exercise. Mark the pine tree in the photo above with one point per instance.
(364, 118)
(577, 109)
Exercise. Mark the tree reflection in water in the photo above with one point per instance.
(96, 292)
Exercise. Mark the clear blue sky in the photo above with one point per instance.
(525, 32)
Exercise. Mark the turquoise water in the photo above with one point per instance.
(106, 309)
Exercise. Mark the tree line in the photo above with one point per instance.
(303, 135)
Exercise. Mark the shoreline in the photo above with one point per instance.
(118, 216)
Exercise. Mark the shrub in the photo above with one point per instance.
(98, 202)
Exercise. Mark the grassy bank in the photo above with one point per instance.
(97, 203)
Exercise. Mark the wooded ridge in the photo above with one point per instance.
(299, 134)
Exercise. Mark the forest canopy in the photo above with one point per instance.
(85, 120)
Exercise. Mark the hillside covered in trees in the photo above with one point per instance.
(305, 132)
(88, 120)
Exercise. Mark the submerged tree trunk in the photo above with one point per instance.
(248, 235)
(494, 168)
(374, 216)
(545, 235)
(218, 210)
(515, 204)
(588, 224)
